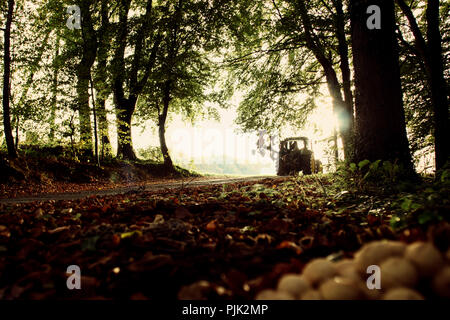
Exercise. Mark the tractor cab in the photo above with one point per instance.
(296, 156)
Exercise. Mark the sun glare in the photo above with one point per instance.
(210, 144)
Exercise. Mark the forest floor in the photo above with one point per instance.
(223, 241)
(49, 172)
(80, 191)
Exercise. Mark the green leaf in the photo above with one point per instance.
(374, 166)
(130, 234)
(247, 229)
(406, 205)
(396, 222)
(363, 163)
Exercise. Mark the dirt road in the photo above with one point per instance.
(149, 187)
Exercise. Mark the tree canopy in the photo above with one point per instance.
(134, 61)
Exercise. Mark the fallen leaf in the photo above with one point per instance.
(211, 226)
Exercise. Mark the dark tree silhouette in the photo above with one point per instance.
(380, 121)
(7, 82)
(431, 54)
(89, 48)
(142, 62)
(343, 106)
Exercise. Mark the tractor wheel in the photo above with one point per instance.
(305, 164)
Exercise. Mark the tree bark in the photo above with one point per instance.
(94, 110)
(439, 88)
(125, 109)
(168, 164)
(380, 121)
(101, 80)
(346, 80)
(52, 119)
(84, 76)
(7, 83)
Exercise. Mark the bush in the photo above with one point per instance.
(366, 175)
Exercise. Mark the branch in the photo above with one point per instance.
(278, 10)
(421, 45)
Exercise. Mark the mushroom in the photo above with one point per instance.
(397, 272)
(293, 284)
(311, 295)
(270, 294)
(376, 252)
(401, 293)
(319, 270)
(346, 268)
(340, 289)
(441, 283)
(425, 257)
(370, 294)
(397, 248)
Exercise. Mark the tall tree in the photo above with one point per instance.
(101, 79)
(89, 53)
(431, 54)
(130, 75)
(380, 120)
(343, 106)
(7, 82)
(312, 34)
(54, 86)
(184, 72)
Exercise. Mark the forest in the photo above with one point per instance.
(225, 150)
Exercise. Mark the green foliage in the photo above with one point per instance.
(263, 44)
(151, 153)
(417, 94)
(185, 70)
(428, 204)
(444, 176)
(273, 66)
(366, 175)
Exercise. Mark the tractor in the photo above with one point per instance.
(292, 159)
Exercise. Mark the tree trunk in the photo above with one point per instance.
(341, 109)
(7, 83)
(346, 80)
(125, 110)
(125, 106)
(101, 81)
(89, 43)
(431, 54)
(103, 125)
(168, 164)
(51, 135)
(16, 143)
(380, 121)
(83, 107)
(439, 89)
(97, 158)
